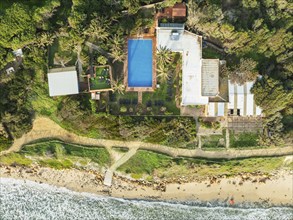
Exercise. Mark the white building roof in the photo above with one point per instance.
(245, 99)
(190, 47)
(244, 102)
(63, 81)
(210, 77)
(221, 109)
(216, 109)
(249, 104)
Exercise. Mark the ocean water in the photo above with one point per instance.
(29, 200)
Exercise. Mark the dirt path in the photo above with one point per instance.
(45, 128)
(116, 164)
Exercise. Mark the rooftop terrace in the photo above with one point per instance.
(190, 45)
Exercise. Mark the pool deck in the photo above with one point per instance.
(154, 75)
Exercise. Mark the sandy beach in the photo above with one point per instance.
(272, 190)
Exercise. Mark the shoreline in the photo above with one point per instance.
(276, 190)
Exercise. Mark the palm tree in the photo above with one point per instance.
(62, 59)
(117, 54)
(117, 40)
(164, 56)
(163, 73)
(117, 48)
(98, 29)
(44, 39)
(118, 87)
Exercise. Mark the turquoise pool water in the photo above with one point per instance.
(140, 62)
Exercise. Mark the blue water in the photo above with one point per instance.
(29, 200)
(140, 62)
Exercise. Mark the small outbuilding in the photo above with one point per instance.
(178, 10)
(63, 81)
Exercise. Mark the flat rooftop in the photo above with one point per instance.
(190, 45)
(241, 102)
(63, 81)
(210, 77)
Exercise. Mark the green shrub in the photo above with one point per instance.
(57, 164)
(123, 109)
(136, 176)
(14, 158)
(5, 143)
(58, 150)
(97, 154)
(244, 140)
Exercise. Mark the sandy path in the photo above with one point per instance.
(45, 128)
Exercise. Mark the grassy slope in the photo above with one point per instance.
(57, 155)
(150, 163)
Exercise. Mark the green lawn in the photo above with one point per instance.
(102, 79)
(39, 98)
(244, 140)
(213, 142)
(210, 53)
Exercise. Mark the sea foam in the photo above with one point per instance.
(22, 199)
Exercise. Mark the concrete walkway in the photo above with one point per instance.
(44, 128)
(118, 163)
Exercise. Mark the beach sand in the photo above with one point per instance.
(273, 190)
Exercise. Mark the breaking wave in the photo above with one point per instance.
(22, 199)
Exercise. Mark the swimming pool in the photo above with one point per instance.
(140, 62)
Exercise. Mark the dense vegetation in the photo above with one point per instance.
(66, 25)
(171, 131)
(256, 35)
